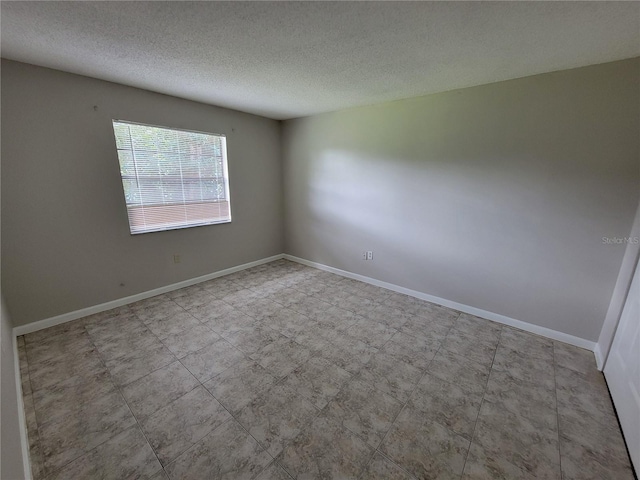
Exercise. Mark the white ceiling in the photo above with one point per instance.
(291, 59)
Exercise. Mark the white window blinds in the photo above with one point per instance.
(172, 178)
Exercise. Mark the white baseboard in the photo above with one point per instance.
(496, 317)
(68, 317)
(22, 422)
(529, 327)
(599, 358)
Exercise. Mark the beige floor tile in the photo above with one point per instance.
(348, 353)
(527, 343)
(525, 370)
(191, 340)
(289, 323)
(575, 358)
(48, 334)
(195, 298)
(479, 327)
(229, 322)
(261, 309)
(281, 357)
(599, 441)
(437, 314)
(71, 396)
(212, 360)
(211, 311)
(172, 325)
(581, 463)
(237, 386)
(312, 307)
(274, 472)
(372, 333)
(459, 370)
(227, 452)
(321, 370)
(161, 309)
(318, 380)
(276, 417)
(176, 427)
(149, 394)
(447, 404)
(120, 342)
(85, 363)
(518, 440)
(480, 466)
(390, 375)
(381, 468)
(587, 395)
(392, 317)
(416, 351)
(73, 345)
(68, 437)
(364, 410)
(127, 455)
(325, 449)
(421, 327)
(425, 448)
(533, 402)
(480, 350)
(138, 363)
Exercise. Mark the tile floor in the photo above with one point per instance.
(284, 371)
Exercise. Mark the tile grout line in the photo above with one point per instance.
(35, 415)
(484, 392)
(555, 396)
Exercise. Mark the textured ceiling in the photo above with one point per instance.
(290, 59)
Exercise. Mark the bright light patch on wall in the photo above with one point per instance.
(172, 178)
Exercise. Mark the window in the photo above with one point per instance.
(172, 178)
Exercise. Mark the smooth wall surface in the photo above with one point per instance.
(497, 197)
(621, 289)
(65, 235)
(11, 461)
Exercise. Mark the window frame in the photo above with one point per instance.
(225, 180)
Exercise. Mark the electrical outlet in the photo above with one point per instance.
(364, 255)
(176, 258)
(369, 255)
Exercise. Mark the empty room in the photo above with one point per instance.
(320, 240)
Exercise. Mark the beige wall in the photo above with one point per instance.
(496, 196)
(65, 237)
(11, 461)
(621, 290)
